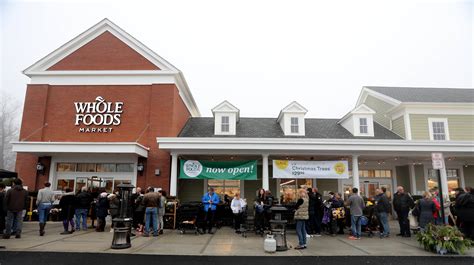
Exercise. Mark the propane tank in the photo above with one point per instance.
(270, 244)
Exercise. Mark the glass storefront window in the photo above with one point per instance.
(120, 181)
(66, 167)
(86, 167)
(62, 184)
(106, 167)
(124, 167)
(289, 187)
(223, 187)
(374, 173)
(453, 179)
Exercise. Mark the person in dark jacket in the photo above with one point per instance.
(259, 211)
(83, 203)
(382, 209)
(318, 211)
(426, 209)
(311, 223)
(402, 203)
(102, 208)
(92, 208)
(465, 212)
(67, 204)
(3, 210)
(138, 210)
(15, 201)
(114, 206)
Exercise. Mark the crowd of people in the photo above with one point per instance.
(312, 214)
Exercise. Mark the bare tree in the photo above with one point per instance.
(9, 129)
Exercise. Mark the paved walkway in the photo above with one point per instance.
(223, 243)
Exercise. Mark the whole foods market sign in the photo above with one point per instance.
(99, 116)
(310, 169)
(233, 170)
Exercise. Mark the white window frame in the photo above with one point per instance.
(446, 128)
(296, 126)
(227, 124)
(366, 125)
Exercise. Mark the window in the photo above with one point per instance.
(374, 173)
(363, 127)
(86, 167)
(124, 167)
(223, 187)
(66, 167)
(62, 184)
(225, 124)
(289, 187)
(453, 179)
(294, 125)
(438, 129)
(106, 167)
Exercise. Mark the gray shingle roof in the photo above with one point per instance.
(426, 94)
(269, 128)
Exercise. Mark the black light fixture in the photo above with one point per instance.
(40, 168)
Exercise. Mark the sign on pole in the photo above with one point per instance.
(438, 160)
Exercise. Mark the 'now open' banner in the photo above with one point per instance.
(233, 170)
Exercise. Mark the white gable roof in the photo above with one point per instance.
(293, 107)
(361, 109)
(225, 106)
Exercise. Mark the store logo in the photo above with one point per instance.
(281, 164)
(99, 113)
(340, 168)
(192, 168)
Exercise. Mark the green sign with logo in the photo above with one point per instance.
(235, 170)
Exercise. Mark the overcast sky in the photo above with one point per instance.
(261, 55)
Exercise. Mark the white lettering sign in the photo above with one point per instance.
(310, 169)
(437, 160)
(98, 113)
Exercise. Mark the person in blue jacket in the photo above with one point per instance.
(210, 201)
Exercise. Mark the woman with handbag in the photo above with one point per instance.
(301, 216)
(427, 208)
(335, 212)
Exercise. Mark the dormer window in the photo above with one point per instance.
(363, 127)
(226, 118)
(291, 119)
(225, 124)
(359, 122)
(294, 125)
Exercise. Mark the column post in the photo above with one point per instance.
(444, 180)
(355, 172)
(174, 175)
(265, 180)
(411, 169)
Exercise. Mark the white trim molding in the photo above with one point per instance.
(446, 128)
(51, 148)
(304, 146)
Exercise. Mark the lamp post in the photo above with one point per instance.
(123, 223)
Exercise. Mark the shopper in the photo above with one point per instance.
(15, 201)
(318, 212)
(67, 204)
(161, 211)
(267, 205)
(382, 209)
(259, 211)
(3, 209)
(402, 203)
(139, 212)
(210, 201)
(92, 208)
(356, 204)
(332, 221)
(238, 205)
(114, 208)
(311, 223)
(426, 210)
(44, 202)
(83, 203)
(465, 212)
(151, 201)
(301, 217)
(102, 208)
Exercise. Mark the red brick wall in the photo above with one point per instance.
(149, 110)
(106, 52)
